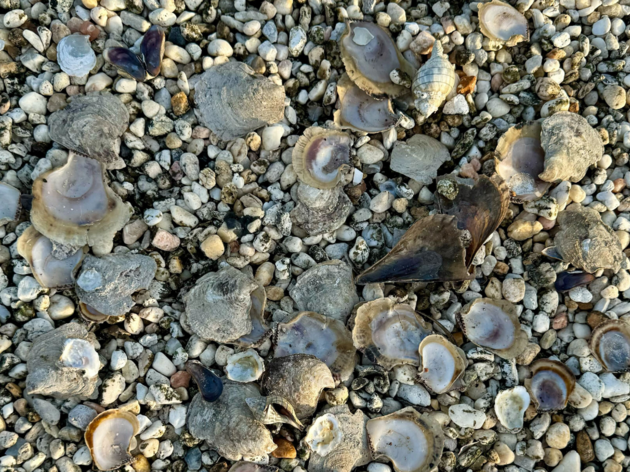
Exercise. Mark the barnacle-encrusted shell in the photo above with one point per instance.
(49, 271)
(493, 325)
(300, 378)
(324, 435)
(92, 125)
(510, 406)
(232, 100)
(419, 158)
(252, 467)
(152, 50)
(502, 22)
(411, 441)
(75, 55)
(325, 338)
(550, 385)
(273, 410)
(10, 208)
(320, 156)
(370, 54)
(228, 424)
(610, 344)
(244, 366)
(108, 437)
(434, 81)
(443, 363)
(389, 334)
(63, 363)
(320, 211)
(73, 204)
(210, 386)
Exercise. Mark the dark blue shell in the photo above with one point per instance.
(152, 50)
(567, 280)
(210, 386)
(126, 61)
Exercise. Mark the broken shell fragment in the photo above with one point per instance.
(209, 385)
(443, 363)
(502, 22)
(108, 437)
(126, 62)
(550, 385)
(389, 334)
(320, 211)
(493, 325)
(320, 157)
(75, 55)
(510, 406)
(152, 50)
(245, 366)
(411, 441)
(273, 410)
(419, 158)
(610, 344)
(434, 81)
(10, 208)
(91, 314)
(80, 354)
(260, 331)
(324, 435)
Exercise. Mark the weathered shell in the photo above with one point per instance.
(320, 211)
(324, 435)
(244, 366)
(389, 334)
(493, 325)
(370, 54)
(419, 158)
(610, 344)
(434, 81)
(75, 55)
(252, 467)
(233, 101)
(327, 288)
(74, 127)
(300, 379)
(91, 314)
(550, 385)
(210, 386)
(126, 62)
(320, 157)
(49, 271)
(571, 146)
(443, 363)
(510, 406)
(411, 441)
(152, 50)
(273, 410)
(502, 22)
(10, 208)
(108, 437)
(228, 424)
(260, 331)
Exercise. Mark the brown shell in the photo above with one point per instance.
(610, 344)
(122, 454)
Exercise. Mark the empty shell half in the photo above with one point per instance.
(510, 406)
(493, 325)
(550, 385)
(91, 314)
(502, 22)
(10, 208)
(324, 435)
(246, 366)
(443, 363)
(109, 436)
(610, 344)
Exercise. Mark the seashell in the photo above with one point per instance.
(228, 424)
(260, 330)
(245, 366)
(152, 50)
(232, 100)
(75, 55)
(320, 211)
(566, 280)
(324, 435)
(419, 158)
(126, 62)
(434, 81)
(300, 379)
(325, 338)
(519, 159)
(49, 271)
(327, 288)
(91, 314)
(550, 385)
(252, 467)
(443, 363)
(144, 66)
(493, 325)
(584, 241)
(610, 344)
(10, 208)
(510, 406)
(209, 385)
(391, 437)
(360, 112)
(502, 22)
(389, 334)
(63, 363)
(218, 307)
(108, 437)
(73, 205)
(73, 127)
(273, 410)
(320, 157)
(369, 55)
(571, 146)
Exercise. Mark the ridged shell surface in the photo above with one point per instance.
(433, 82)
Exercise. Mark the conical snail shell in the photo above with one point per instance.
(433, 82)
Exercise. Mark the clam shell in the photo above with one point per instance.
(443, 363)
(108, 437)
(510, 406)
(433, 82)
(502, 22)
(75, 55)
(320, 211)
(610, 344)
(244, 366)
(273, 410)
(10, 208)
(550, 385)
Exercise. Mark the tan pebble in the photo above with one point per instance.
(89, 4)
(558, 435)
(141, 464)
(285, 449)
(506, 455)
(179, 102)
(264, 273)
(552, 457)
(521, 230)
(274, 293)
(213, 247)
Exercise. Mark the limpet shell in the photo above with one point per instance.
(108, 437)
(610, 344)
(550, 385)
(502, 22)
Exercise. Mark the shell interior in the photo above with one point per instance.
(551, 384)
(510, 406)
(502, 22)
(324, 435)
(80, 354)
(443, 363)
(10, 198)
(152, 50)
(610, 343)
(246, 366)
(109, 437)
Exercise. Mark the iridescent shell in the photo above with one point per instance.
(550, 385)
(510, 406)
(126, 62)
(108, 437)
(566, 280)
(434, 81)
(610, 344)
(152, 50)
(443, 363)
(10, 208)
(502, 22)
(75, 55)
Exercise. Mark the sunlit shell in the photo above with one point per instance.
(245, 366)
(411, 441)
(320, 156)
(510, 406)
(434, 81)
(443, 363)
(502, 22)
(370, 54)
(252, 467)
(260, 331)
(75, 55)
(324, 435)
(320, 211)
(550, 385)
(10, 208)
(209, 385)
(610, 344)
(109, 436)
(152, 50)
(126, 62)
(273, 410)
(80, 354)
(493, 325)
(389, 334)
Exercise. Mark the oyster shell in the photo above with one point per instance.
(320, 157)
(232, 100)
(327, 288)
(91, 314)
(550, 385)
(510, 406)
(10, 208)
(324, 435)
(244, 366)
(49, 271)
(260, 331)
(325, 338)
(108, 437)
(434, 81)
(493, 325)
(502, 22)
(610, 344)
(273, 410)
(73, 205)
(393, 435)
(73, 127)
(75, 55)
(209, 385)
(300, 379)
(419, 158)
(320, 211)
(443, 363)
(389, 334)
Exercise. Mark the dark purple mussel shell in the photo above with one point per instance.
(565, 281)
(210, 386)
(152, 50)
(126, 62)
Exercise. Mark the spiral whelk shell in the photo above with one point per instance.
(433, 82)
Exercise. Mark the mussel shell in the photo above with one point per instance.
(126, 62)
(567, 280)
(550, 385)
(610, 344)
(152, 50)
(210, 386)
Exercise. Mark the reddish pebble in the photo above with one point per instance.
(618, 185)
(89, 29)
(560, 321)
(74, 24)
(476, 164)
(180, 379)
(199, 132)
(547, 224)
(165, 241)
(468, 171)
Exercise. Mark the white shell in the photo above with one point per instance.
(10, 198)
(433, 82)
(75, 55)
(443, 363)
(246, 366)
(109, 438)
(324, 435)
(510, 406)
(502, 22)
(80, 354)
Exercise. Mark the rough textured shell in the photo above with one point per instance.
(10, 208)
(320, 211)
(108, 437)
(74, 127)
(273, 410)
(419, 158)
(260, 331)
(443, 363)
(550, 385)
(502, 22)
(233, 101)
(610, 344)
(252, 467)
(510, 406)
(433, 82)
(75, 55)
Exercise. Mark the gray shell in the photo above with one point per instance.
(92, 125)
(434, 81)
(419, 158)
(320, 211)
(233, 101)
(47, 376)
